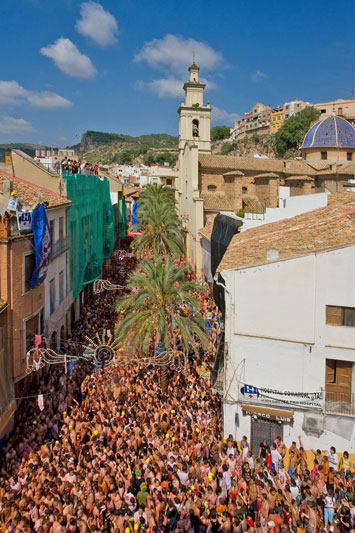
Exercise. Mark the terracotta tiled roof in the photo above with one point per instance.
(31, 194)
(319, 165)
(252, 204)
(326, 228)
(253, 163)
(128, 190)
(207, 231)
(300, 178)
(234, 173)
(216, 200)
(267, 175)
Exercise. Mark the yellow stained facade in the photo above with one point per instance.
(276, 119)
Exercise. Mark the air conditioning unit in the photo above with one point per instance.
(313, 424)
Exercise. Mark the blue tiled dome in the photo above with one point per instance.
(332, 131)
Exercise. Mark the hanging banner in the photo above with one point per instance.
(135, 213)
(24, 220)
(41, 245)
(262, 395)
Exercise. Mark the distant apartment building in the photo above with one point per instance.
(255, 121)
(265, 119)
(294, 107)
(341, 107)
(276, 119)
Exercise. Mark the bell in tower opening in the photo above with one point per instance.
(194, 116)
(195, 132)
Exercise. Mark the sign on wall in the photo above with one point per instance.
(24, 220)
(261, 395)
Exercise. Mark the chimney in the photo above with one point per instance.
(7, 188)
(286, 164)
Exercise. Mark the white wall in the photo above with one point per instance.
(56, 265)
(289, 206)
(276, 300)
(277, 335)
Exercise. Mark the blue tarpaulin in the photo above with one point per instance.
(41, 245)
(135, 213)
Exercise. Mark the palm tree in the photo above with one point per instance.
(153, 308)
(158, 220)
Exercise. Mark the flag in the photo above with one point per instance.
(38, 340)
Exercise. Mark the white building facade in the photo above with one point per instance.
(58, 297)
(290, 340)
(194, 138)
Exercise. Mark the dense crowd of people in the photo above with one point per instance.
(112, 452)
(76, 167)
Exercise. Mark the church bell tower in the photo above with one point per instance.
(194, 117)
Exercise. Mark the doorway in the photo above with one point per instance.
(264, 429)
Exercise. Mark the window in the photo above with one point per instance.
(29, 266)
(323, 110)
(61, 286)
(340, 316)
(324, 155)
(340, 110)
(331, 375)
(61, 228)
(244, 190)
(211, 187)
(52, 296)
(31, 330)
(51, 231)
(349, 156)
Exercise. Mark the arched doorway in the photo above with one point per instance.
(62, 337)
(53, 343)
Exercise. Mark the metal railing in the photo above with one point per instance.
(59, 247)
(340, 403)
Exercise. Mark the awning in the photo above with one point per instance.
(268, 414)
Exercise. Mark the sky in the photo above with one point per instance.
(119, 65)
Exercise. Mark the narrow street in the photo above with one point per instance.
(110, 450)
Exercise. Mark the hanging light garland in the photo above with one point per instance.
(104, 351)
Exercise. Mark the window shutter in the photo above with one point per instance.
(333, 315)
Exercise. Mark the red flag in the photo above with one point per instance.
(38, 340)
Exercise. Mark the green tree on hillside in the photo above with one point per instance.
(125, 158)
(291, 134)
(220, 132)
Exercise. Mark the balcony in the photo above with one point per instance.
(59, 247)
(340, 403)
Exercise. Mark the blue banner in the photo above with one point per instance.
(135, 213)
(41, 245)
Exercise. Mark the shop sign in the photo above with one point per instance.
(274, 415)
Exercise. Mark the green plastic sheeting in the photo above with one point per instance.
(122, 219)
(90, 227)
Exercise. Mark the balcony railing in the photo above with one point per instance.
(340, 403)
(60, 247)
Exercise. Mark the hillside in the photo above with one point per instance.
(249, 146)
(101, 147)
(25, 147)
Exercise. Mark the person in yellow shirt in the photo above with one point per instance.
(344, 464)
